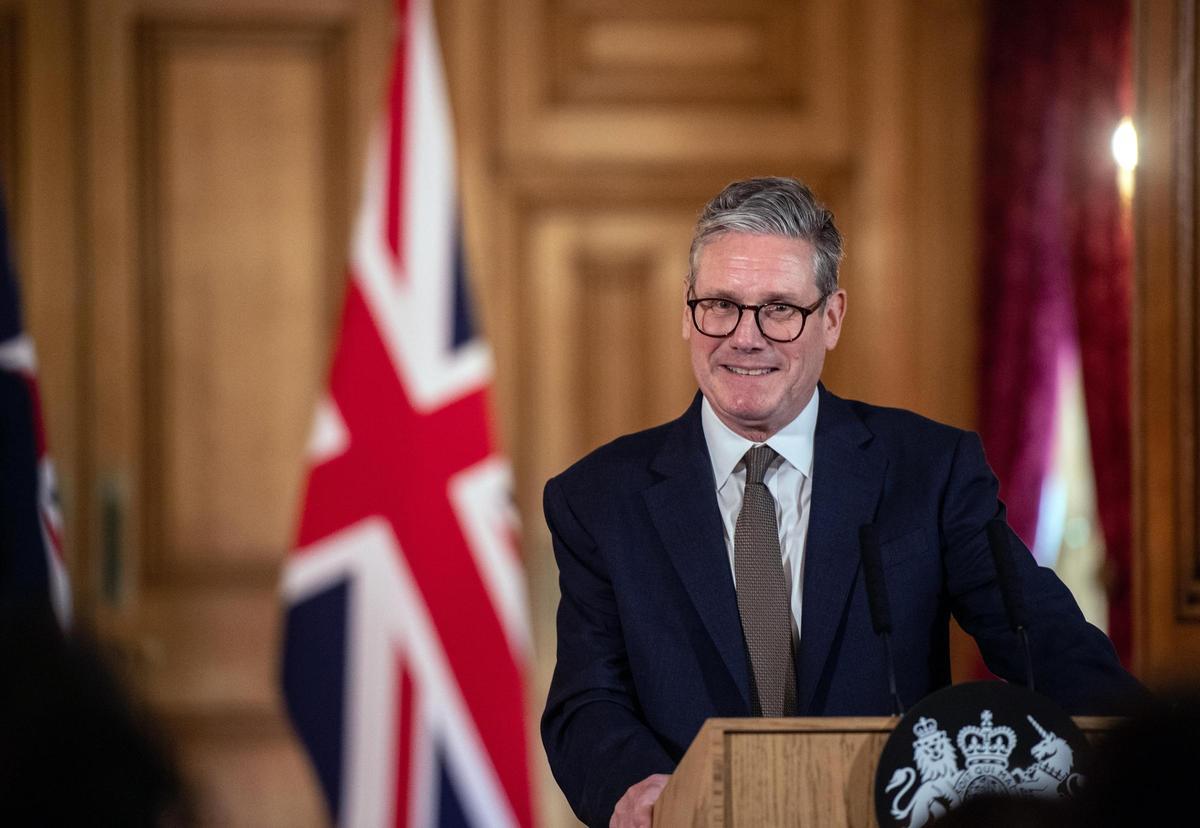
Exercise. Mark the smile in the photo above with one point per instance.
(748, 372)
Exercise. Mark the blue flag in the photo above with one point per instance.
(31, 567)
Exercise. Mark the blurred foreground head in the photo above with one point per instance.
(1144, 772)
(73, 749)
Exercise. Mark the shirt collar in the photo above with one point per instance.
(793, 442)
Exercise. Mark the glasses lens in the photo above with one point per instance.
(716, 317)
(781, 322)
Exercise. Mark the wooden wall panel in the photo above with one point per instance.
(636, 85)
(285, 796)
(243, 227)
(222, 144)
(945, 198)
(211, 652)
(243, 221)
(10, 90)
(1167, 345)
(630, 53)
(605, 286)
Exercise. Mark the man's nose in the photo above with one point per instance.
(747, 334)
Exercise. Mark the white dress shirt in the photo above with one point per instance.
(788, 478)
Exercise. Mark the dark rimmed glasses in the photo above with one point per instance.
(777, 321)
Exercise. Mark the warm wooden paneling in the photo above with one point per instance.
(253, 782)
(222, 145)
(911, 215)
(838, 769)
(211, 649)
(241, 130)
(632, 53)
(613, 306)
(805, 771)
(673, 81)
(1167, 345)
(605, 287)
(10, 87)
(943, 218)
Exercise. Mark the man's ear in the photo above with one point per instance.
(832, 315)
(687, 312)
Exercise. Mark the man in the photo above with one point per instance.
(704, 576)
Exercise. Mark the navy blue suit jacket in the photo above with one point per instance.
(649, 637)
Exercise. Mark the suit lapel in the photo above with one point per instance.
(848, 476)
(683, 508)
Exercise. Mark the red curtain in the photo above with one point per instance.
(1056, 256)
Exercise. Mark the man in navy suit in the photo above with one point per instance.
(663, 622)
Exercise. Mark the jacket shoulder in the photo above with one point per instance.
(628, 455)
(900, 424)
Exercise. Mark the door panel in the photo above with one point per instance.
(217, 141)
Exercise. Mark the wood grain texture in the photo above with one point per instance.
(1166, 347)
(572, 72)
(786, 772)
(704, 54)
(777, 772)
(217, 151)
(237, 190)
(11, 120)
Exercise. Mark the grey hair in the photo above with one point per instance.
(772, 207)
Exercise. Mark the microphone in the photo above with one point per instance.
(877, 600)
(1010, 589)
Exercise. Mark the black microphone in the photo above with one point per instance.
(1010, 589)
(877, 600)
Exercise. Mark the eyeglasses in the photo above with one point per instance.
(777, 321)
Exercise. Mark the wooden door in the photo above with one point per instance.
(183, 176)
(221, 144)
(1167, 347)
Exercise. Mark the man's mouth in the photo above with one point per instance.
(748, 372)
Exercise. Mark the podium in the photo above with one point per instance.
(804, 772)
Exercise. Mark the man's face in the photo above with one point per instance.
(757, 386)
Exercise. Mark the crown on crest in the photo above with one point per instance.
(926, 729)
(986, 744)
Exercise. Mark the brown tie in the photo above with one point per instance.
(762, 593)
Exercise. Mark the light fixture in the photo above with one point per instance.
(1125, 144)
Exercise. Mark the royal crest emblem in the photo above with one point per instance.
(936, 782)
(934, 755)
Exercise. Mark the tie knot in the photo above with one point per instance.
(757, 459)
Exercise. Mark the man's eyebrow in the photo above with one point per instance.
(721, 294)
(772, 299)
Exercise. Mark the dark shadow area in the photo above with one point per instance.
(75, 748)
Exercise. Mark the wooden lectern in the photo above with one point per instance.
(806, 772)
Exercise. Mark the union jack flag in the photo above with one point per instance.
(406, 631)
(31, 526)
